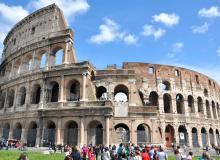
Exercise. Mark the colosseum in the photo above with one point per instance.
(47, 96)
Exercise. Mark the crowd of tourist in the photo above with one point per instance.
(122, 152)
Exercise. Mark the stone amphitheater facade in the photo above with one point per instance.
(44, 101)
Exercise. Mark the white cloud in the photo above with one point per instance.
(149, 30)
(70, 8)
(200, 29)
(130, 39)
(167, 19)
(12, 14)
(209, 13)
(171, 55)
(177, 47)
(218, 51)
(110, 31)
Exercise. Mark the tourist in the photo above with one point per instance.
(152, 153)
(190, 156)
(75, 153)
(162, 155)
(91, 154)
(106, 154)
(23, 156)
(68, 157)
(137, 155)
(177, 155)
(84, 152)
(144, 155)
(120, 151)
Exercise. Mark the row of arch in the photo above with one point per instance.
(71, 128)
(207, 137)
(36, 60)
(180, 106)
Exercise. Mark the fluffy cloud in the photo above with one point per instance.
(149, 30)
(209, 13)
(12, 14)
(177, 47)
(218, 51)
(200, 29)
(70, 8)
(167, 19)
(110, 31)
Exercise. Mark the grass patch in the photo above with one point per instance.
(13, 155)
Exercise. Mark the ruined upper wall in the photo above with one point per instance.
(33, 28)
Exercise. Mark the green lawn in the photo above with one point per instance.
(13, 155)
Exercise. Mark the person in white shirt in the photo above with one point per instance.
(106, 154)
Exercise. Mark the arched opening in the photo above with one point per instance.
(6, 130)
(32, 134)
(27, 62)
(21, 96)
(217, 137)
(200, 105)
(143, 134)
(121, 93)
(71, 133)
(208, 112)
(195, 137)
(211, 136)
(36, 92)
(214, 110)
(206, 94)
(122, 133)
(101, 93)
(17, 67)
(169, 135)
(183, 136)
(218, 111)
(43, 60)
(153, 98)
(165, 86)
(17, 131)
(180, 104)
(59, 56)
(11, 96)
(95, 133)
(167, 102)
(191, 104)
(49, 134)
(204, 137)
(54, 92)
(74, 91)
(2, 100)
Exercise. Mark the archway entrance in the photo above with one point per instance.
(49, 134)
(183, 136)
(6, 131)
(121, 134)
(17, 131)
(95, 133)
(204, 137)
(71, 133)
(217, 137)
(211, 136)
(143, 134)
(195, 138)
(31, 135)
(169, 135)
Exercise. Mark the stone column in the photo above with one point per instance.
(186, 107)
(12, 69)
(173, 103)
(62, 86)
(189, 131)
(199, 137)
(47, 65)
(214, 137)
(162, 127)
(16, 95)
(81, 131)
(161, 105)
(24, 135)
(28, 94)
(66, 55)
(58, 131)
(107, 130)
(83, 98)
(38, 137)
(6, 101)
(1, 130)
(10, 136)
(176, 134)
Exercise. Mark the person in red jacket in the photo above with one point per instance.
(91, 154)
(144, 155)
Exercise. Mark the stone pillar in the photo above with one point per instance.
(12, 69)
(176, 134)
(6, 101)
(10, 135)
(16, 95)
(189, 131)
(161, 105)
(107, 130)
(66, 55)
(1, 130)
(186, 107)
(215, 139)
(38, 137)
(62, 87)
(24, 135)
(81, 131)
(162, 127)
(47, 65)
(58, 131)
(199, 137)
(173, 107)
(208, 138)
(28, 94)
(83, 97)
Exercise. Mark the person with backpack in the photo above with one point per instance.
(162, 155)
(84, 152)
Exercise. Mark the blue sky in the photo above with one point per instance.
(181, 33)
